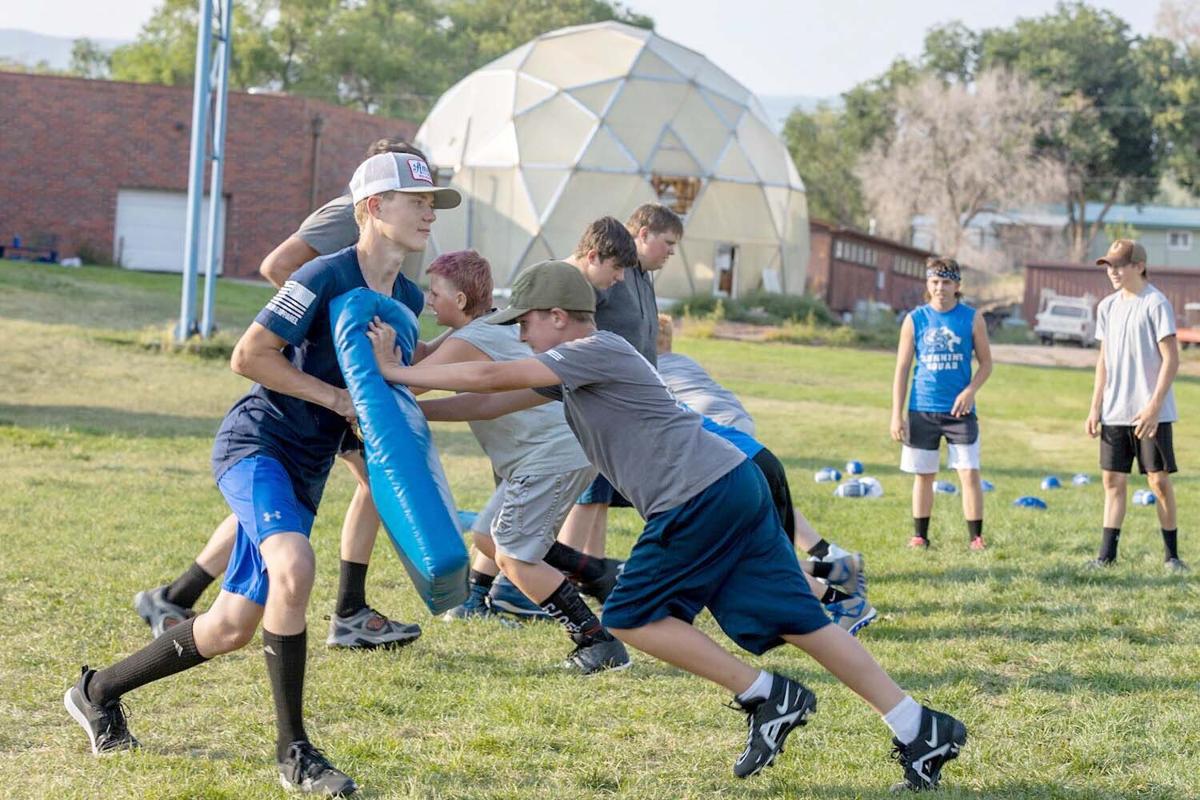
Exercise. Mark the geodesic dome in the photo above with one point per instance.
(598, 119)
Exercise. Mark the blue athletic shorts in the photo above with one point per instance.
(261, 495)
(601, 491)
(723, 550)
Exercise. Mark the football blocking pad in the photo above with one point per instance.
(406, 477)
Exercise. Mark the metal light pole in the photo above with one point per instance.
(187, 303)
(215, 194)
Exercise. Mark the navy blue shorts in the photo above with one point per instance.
(601, 491)
(261, 495)
(723, 550)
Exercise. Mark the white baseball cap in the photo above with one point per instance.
(399, 172)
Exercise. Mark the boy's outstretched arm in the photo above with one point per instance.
(470, 406)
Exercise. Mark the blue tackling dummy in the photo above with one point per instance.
(407, 482)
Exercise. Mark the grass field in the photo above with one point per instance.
(1074, 685)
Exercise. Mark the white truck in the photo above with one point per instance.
(1062, 317)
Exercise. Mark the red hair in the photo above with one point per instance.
(469, 273)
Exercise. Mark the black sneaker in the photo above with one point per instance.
(939, 739)
(597, 655)
(602, 587)
(105, 724)
(789, 706)
(305, 769)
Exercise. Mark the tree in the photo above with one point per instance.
(89, 59)
(1179, 78)
(959, 150)
(825, 159)
(1107, 145)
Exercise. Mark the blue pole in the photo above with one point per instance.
(215, 196)
(187, 302)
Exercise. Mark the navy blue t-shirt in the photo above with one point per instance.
(302, 436)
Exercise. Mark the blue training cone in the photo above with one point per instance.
(1029, 501)
(854, 468)
(944, 487)
(987, 485)
(1051, 482)
(1080, 479)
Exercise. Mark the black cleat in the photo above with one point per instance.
(597, 655)
(104, 723)
(789, 706)
(602, 587)
(305, 769)
(939, 739)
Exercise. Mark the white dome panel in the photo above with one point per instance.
(596, 96)
(605, 152)
(543, 186)
(641, 111)
(651, 66)
(530, 92)
(554, 132)
(581, 58)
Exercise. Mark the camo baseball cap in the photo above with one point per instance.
(546, 285)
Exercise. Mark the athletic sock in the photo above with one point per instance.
(1108, 546)
(285, 665)
(187, 588)
(352, 589)
(575, 564)
(1171, 543)
(921, 527)
(820, 569)
(565, 605)
(480, 579)
(759, 690)
(172, 652)
(820, 549)
(832, 595)
(975, 528)
(904, 720)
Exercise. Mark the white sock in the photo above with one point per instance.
(905, 719)
(760, 689)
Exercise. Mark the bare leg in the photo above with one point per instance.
(585, 528)
(849, 662)
(676, 642)
(291, 565)
(484, 559)
(922, 496)
(972, 489)
(536, 581)
(361, 524)
(806, 536)
(1160, 484)
(215, 556)
(226, 626)
(1115, 490)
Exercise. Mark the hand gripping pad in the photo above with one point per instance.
(407, 482)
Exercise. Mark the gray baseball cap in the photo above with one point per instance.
(546, 285)
(399, 172)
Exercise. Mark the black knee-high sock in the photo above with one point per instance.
(975, 528)
(1171, 542)
(172, 652)
(480, 579)
(352, 588)
(820, 549)
(921, 527)
(566, 606)
(1108, 545)
(285, 666)
(187, 588)
(577, 565)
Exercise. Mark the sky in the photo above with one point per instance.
(818, 48)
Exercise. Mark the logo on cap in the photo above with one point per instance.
(420, 171)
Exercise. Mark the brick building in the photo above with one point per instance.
(846, 265)
(1181, 285)
(95, 165)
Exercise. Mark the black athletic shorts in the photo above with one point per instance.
(1119, 446)
(926, 429)
(781, 493)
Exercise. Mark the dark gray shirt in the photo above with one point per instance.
(629, 309)
(331, 227)
(654, 451)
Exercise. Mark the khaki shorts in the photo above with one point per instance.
(525, 512)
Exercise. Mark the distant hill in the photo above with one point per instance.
(29, 48)
(779, 106)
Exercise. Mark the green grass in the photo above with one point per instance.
(1074, 685)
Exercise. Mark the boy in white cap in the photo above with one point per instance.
(1133, 400)
(271, 458)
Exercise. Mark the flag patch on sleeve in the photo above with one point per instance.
(292, 301)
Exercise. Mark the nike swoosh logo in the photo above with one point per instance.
(782, 707)
(932, 740)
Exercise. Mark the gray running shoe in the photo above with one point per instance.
(594, 655)
(367, 629)
(104, 723)
(158, 612)
(306, 769)
(1176, 565)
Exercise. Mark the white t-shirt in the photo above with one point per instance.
(1131, 328)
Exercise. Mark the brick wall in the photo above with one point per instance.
(68, 144)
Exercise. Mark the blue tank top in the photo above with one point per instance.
(944, 347)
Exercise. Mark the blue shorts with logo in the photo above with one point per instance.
(601, 491)
(723, 550)
(260, 492)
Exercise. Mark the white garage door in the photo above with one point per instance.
(151, 226)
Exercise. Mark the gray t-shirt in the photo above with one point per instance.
(331, 227)
(653, 451)
(1131, 328)
(696, 389)
(536, 441)
(628, 308)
